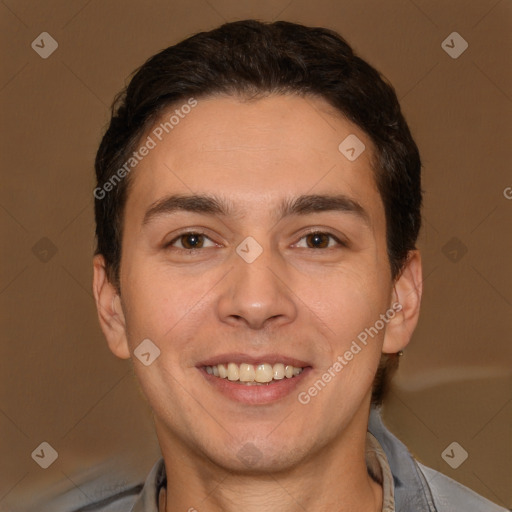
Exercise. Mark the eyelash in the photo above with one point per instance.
(312, 232)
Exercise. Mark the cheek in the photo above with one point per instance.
(152, 307)
(165, 312)
(165, 306)
(350, 305)
(349, 299)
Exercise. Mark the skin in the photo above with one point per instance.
(294, 299)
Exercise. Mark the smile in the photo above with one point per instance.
(250, 374)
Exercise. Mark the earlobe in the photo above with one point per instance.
(407, 293)
(110, 311)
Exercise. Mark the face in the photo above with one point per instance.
(282, 263)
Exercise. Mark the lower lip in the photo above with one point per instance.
(256, 395)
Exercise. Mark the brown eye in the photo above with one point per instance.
(189, 241)
(192, 240)
(317, 240)
(320, 240)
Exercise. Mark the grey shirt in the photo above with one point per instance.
(408, 486)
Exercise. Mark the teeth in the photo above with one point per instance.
(278, 371)
(250, 374)
(247, 373)
(233, 371)
(223, 371)
(264, 373)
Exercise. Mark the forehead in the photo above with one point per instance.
(254, 152)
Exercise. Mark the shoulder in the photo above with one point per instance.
(418, 488)
(103, 489)
(138, 498)
(450, 496)
(96, 495)
(121, 502)
(93, 496)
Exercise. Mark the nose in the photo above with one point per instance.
(256, 292)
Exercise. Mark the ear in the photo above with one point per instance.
(110, 311)
(406, 303)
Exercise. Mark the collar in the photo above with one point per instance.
(411, 491)
(380, 471)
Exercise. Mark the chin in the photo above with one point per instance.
(260, 456)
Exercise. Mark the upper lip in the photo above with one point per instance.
(239, 358)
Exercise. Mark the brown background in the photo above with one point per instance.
(60, 384)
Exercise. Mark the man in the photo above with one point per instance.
(257, 210)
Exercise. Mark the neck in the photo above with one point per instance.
(335, 478)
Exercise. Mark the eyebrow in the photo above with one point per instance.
(213, 205)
